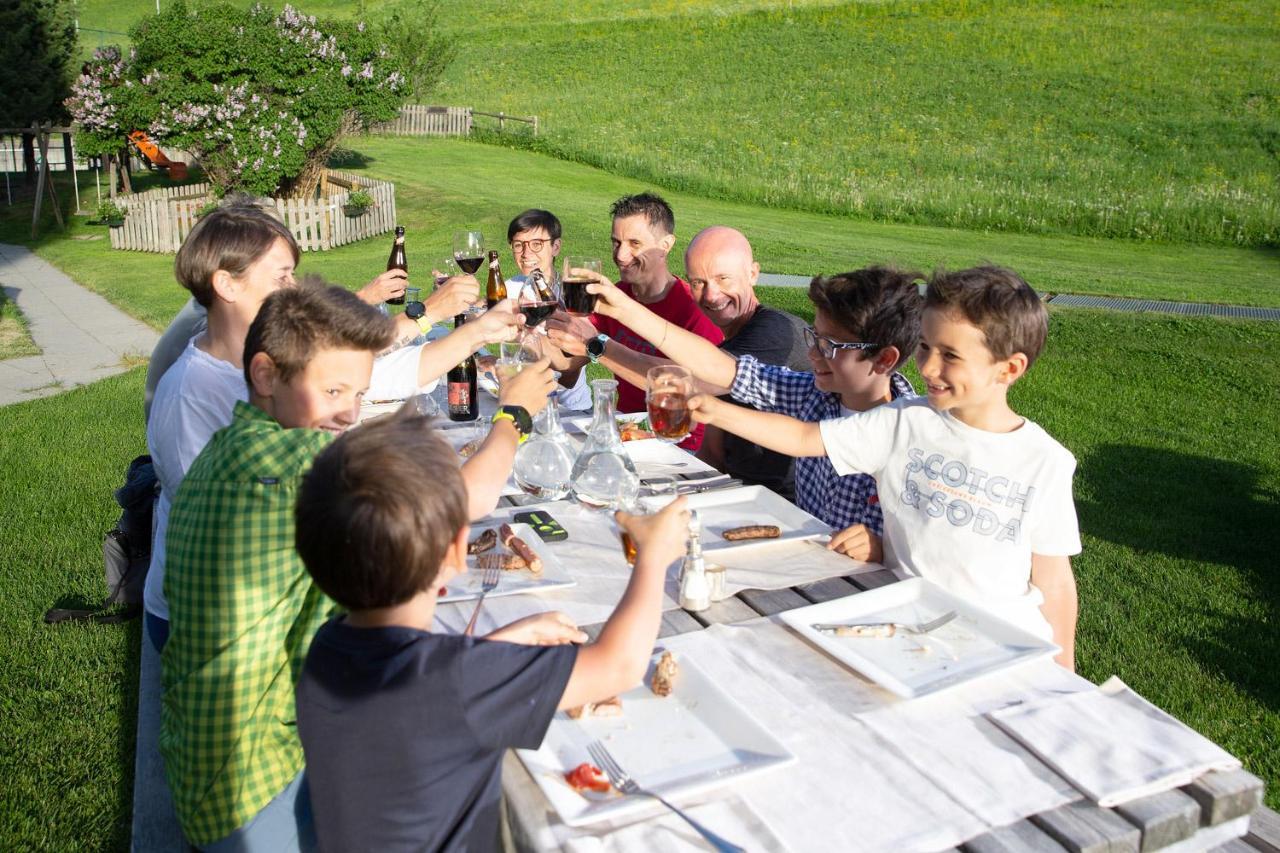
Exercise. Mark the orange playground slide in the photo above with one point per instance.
(177, 171)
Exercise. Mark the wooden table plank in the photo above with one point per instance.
(1021, 837)
(725, 612)
(872, 580)
(826, 590)
(1225, 795)
(1164, 818)
(767, 602)
(1082, 827)
(678, 622)
(1264, 830)
(1235, 845)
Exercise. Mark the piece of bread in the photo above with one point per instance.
(664, 675)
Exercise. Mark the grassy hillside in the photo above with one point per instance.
(447, 185)
(1150, 119)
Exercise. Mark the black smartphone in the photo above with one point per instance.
(547, 528)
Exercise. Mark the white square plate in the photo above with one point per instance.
(554, 575)
(693, 740)
(724, 509)
(974, 644)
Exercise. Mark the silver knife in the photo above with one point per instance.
(693, 489)
(866, 629)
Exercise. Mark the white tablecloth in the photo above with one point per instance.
(874, 772)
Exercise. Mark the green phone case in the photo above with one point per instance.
(547, 528)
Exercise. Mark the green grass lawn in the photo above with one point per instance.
(447, 185)
(1178, 491)
(1149, 119)
(15, 340)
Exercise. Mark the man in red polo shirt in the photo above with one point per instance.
(643, 235)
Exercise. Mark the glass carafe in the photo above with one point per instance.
(544, 464)
(603, 474)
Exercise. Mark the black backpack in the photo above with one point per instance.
(126, 550)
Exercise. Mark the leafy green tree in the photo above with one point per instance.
(260, 98)
(412, 32)
(37, 47)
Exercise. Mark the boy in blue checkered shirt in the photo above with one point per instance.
(866, 324)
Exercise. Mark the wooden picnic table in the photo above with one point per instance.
(1205, 815)
(1212, 812)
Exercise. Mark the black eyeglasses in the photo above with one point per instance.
(517, 246)
(827, 348)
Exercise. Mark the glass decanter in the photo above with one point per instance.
(543, 465)
(603, 474)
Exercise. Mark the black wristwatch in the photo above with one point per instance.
(595, 347)
(519, 417)
(415, 310)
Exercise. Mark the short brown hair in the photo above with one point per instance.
(1005, 309)
(229, 238)
(879, 305)
(377, 511)
(651, 206)
(294, 322)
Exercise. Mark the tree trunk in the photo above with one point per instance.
(28, 157)
(125, 183)
(68, 155)
(111, 175)
(305, 184)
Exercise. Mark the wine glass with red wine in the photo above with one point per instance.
(535, 306)
(468, 250)
(670, 387)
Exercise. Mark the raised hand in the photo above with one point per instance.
(388, 285)
(529, 388)
(661, 536)
(454, 296)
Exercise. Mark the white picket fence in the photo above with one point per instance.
(159, 220)
(422, 120)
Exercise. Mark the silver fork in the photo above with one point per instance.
(624, 783)
(869, 629)
(491, 564)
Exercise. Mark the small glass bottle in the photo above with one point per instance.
(603, 473)
(695, 594)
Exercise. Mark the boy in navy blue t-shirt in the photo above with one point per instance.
(404, 729)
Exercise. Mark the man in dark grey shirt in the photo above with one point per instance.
(722, 274)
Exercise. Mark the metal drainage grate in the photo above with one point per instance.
(1194, 309)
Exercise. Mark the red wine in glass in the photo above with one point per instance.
(535, 312)
(669, 416)
(469, 265)
(576, 299)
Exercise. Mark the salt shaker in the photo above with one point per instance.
(695, 595)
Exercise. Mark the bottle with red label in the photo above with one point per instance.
(463, 403)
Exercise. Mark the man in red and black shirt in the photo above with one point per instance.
(643, 236)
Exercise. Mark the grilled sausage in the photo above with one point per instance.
(752, 531)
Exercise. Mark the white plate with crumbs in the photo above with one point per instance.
(693, 740)
(554, 575)
(974, 644)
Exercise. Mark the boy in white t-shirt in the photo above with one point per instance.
(975, 497)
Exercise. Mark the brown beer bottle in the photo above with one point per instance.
(541, 286)
(461, 379)
(397, 261)
(496, 290)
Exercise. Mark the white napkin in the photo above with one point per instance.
(731, 819)
(1112, 744)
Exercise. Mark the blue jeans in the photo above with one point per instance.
(157, 630)
(285, 824)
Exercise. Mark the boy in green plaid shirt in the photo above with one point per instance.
(242, 608)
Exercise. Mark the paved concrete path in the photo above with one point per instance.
(82, 337)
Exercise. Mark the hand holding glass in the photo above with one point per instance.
(670, 387)
(573, 288)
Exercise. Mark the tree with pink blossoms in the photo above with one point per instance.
(261, 98)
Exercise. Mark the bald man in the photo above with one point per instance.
(722, 272)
